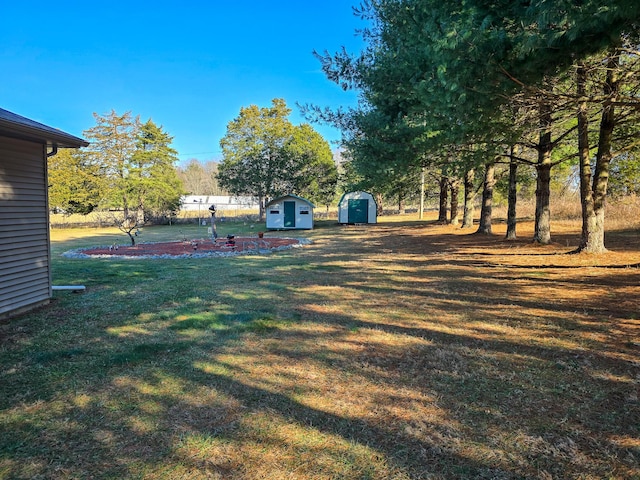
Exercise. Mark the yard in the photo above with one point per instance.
(403, 350)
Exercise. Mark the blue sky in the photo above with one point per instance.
(189, 65)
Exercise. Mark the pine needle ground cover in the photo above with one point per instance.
(403, 350)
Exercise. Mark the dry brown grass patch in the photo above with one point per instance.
(403, 350)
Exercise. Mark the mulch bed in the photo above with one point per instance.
(191, 248)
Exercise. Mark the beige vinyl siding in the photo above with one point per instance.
(25, 278)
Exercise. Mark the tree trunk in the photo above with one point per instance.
(261, 207)
(421, 215)
(400, 203)
(125, 208)
(487, 199)
(140, 212)
(455, 190)
(442, 212)
(512, 197)
(603, 155)
(469, 198)
(379, 201)
(542, 233)
(588, 239)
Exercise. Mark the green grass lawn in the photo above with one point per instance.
(395, 351)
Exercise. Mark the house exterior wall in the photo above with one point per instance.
(276, 219)
(25, 277)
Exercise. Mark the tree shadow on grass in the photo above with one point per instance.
(156, 396)
(246, 369)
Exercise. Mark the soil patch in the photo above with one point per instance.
(191, 248)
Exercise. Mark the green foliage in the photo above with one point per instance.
(152, 175)
(454, 84)
(136, 165)
(451, 67)
(254, 158)
(266, 156)
(386, 155)
(625, 175)
(315, 173)
(113, 143)
(526, 182)
(74, 182)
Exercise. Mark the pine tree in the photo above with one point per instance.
(153, 177)
(112, 145)
(74, 183)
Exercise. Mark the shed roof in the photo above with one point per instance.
(279, 199)
(355, 194)
(17, 126)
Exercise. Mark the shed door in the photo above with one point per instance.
(289, 214)
(358, 210)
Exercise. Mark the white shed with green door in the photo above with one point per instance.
(356, 208)
(289, 213)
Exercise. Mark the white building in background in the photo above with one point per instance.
(201, 203)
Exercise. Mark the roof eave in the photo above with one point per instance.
(33, 135)
(16, 126)
(290, 195)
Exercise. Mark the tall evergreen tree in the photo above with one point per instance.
(75, 185)
(136, 164)
(153, 177)
(454, 64)
(112, 145)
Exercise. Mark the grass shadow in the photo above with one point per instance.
(391, 351)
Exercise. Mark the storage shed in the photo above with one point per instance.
(357, 207)
(289, 213)
(25, 274)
